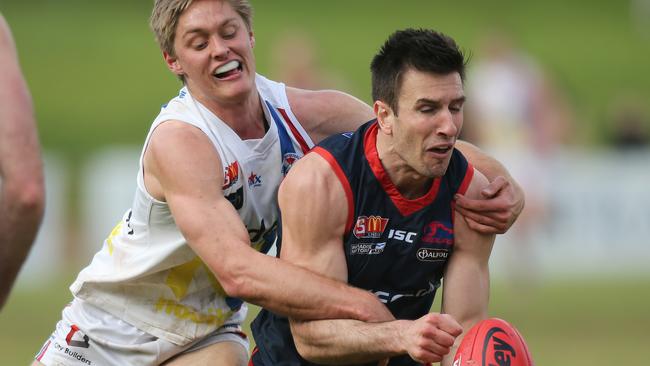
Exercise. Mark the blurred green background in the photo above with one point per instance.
(97, 79)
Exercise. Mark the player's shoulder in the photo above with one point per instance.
(308, 105)
(466, 179)
(326, 112)
(175, 144)
(310, 177)
(177, 131)
(309, 170)
(477, 184)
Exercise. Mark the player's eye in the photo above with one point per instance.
(229, 32)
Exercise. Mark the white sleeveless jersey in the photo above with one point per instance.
(146, 274)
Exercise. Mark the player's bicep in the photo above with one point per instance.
(465, 239)
(184, 163)
(314, 212)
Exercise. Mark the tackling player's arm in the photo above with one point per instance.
(499, 204)
(326, 112)
(183, 168)
(22, 195)
(467, 279)
(314, 215)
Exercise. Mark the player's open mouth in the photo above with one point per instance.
(229, 69)
(441, 149)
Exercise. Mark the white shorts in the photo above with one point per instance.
(87, 335)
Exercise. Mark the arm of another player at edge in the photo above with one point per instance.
(183, 162)
(327, 112)
(466, 285)
(314, 215)
(500, 203)
(22, 197)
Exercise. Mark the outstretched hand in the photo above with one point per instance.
(502, 203)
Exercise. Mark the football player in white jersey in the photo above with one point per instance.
(166, 286)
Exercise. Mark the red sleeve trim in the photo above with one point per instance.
(344, 182)
(469, 174)
(250, 361)
(294, 130)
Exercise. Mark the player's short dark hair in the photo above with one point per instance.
(422, 49)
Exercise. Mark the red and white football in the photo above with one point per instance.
(493, 342)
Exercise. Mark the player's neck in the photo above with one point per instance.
(246, 117)
(410, 184)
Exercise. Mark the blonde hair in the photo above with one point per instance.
(165, 15)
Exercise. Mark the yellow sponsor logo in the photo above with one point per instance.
(109, 241)
(212, 316)
(179, 281)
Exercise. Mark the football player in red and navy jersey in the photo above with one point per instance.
(376, 209)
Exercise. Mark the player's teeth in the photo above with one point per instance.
(227, 67)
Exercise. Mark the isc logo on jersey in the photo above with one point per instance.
(369, 227)
(402, 235)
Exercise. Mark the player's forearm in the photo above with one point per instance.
(467, 323)
(489, 166)
(295, 292)
(21, 211)
(336, 342)
(465, 308)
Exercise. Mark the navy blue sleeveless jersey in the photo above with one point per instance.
(395, 247)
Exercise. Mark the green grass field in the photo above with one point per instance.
(565, 324)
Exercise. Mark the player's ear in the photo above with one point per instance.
(251, 36)
(384, 114)
(172, 64)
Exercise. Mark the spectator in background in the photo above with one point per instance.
(21, 169)
(519, 116)
(640, 16)
(630, 123)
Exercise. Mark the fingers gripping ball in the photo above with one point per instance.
(493, 342)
